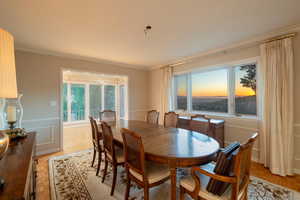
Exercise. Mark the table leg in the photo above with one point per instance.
(173, 183)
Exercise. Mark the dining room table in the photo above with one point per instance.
(174, 147)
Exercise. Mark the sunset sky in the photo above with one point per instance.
(213, 83)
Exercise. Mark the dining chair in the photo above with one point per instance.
(108, 116)
(201, 124)
(171, 119)
(237, 178)
(145, 174)
(113, 154)
(152, 117)
(97, 140)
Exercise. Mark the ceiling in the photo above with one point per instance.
(113, 30)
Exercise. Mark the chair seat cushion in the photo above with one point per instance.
(189, 184)
(153, 171)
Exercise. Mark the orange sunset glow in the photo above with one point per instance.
(212, 84)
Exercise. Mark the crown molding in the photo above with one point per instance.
(20, 47)
(253, 41)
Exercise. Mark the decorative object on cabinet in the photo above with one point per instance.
(8, 82)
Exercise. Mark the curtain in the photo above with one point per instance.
(276, 137)
(165, 92)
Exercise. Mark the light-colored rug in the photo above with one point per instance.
(72, 177)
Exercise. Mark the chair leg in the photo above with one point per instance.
(99, 162)
(114, 180)
(181, 193)
(105, 170)
(127, 187)
(146, 192)
(94, 155)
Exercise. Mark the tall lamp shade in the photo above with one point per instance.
(8, 82)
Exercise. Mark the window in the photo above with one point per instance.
(78, 102)
(83, 100)
(65, 102)
(245, 89)
(95, 100)
(209, 91)
(181, 92)
(229, 90)
(109, 97)
(122, 101)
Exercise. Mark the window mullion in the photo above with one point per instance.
(231, 91)
(87, 101)
(102, 96)
(189, 92)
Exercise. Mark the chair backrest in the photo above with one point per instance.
(133, 151)
(241, 167)
(171, 119)
(152, 117)
(108, 140)
(200, 123)
(108, 115)
(92, 127)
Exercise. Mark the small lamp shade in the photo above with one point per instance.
(8, 82)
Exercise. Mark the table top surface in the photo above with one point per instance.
(168, 143)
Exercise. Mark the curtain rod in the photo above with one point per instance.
(280, 37)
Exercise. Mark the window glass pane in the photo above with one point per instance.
(109, 97)
(245, 89)
(122, 101)
(78, 102)
(209, 91)
(180, 82)
(95, 100)
(65, 102)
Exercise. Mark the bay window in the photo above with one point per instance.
(228, 90)
(81, 100)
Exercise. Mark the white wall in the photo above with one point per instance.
(39, 79)
(238, 129)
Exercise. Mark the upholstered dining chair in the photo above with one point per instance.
(152, 117)
(113, 154)
(145, 174)
(200, 123)
(108, 116)
(171, 119)
(235, 182)
(97, 143)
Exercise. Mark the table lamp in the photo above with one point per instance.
(8, 83)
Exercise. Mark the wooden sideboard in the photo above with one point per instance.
(17, 167)
(217, 127)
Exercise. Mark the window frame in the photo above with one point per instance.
(230, 87)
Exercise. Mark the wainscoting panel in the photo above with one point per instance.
(48, 134)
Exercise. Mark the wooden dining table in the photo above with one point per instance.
(174, 147)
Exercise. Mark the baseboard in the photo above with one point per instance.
(48, 151)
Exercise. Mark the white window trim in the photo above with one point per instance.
(231, 89)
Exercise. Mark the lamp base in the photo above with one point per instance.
(2, 183)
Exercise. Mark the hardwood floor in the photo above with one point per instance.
(78, 138)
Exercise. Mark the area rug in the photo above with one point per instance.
(72, 177)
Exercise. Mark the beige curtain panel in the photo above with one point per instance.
(165, 92)
(276, 137)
